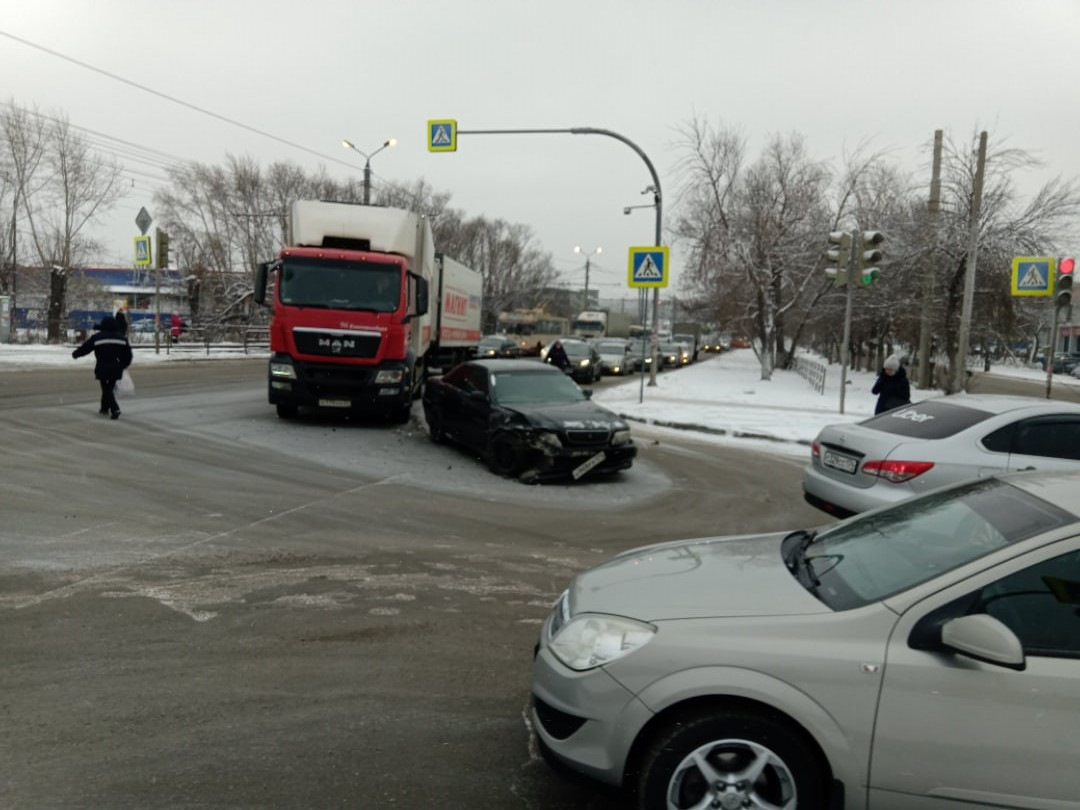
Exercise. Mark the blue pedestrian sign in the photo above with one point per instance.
(442, 135)
(1033, 275)
(142, 251)
(648, 267)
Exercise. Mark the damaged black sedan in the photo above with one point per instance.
(527, 420)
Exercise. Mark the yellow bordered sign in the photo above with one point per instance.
(442, 135)
(1033, 275)
(142, 251)
(648, 267)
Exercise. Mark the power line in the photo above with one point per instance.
(173, 99)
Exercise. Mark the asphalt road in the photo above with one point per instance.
(204, 606)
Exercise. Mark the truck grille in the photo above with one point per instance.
(335, 344)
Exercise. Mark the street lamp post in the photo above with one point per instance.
(588, 256)
(367, 163)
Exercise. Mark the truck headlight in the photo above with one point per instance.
(620, 437)
(283, 371)
(390, 376)
(584, 363)
(592, 640)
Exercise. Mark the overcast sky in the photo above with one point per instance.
(840, 72)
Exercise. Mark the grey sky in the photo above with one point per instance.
(840, 72)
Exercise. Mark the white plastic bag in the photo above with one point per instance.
(125, 386)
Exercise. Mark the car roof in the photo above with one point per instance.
(1062, 489)
(496, 364)
(1004, 403)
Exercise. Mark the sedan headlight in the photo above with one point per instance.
(584, 363)
(548, 438)
(620, 437)
(591, 640)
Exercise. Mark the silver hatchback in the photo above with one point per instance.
(922, 655)
(900, 453)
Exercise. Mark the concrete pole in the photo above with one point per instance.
(933, 206)
(969, 280)
(845, 348)
(367, 181)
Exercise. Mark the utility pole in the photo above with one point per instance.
(845, 346)
(933, 207)
(969, 280)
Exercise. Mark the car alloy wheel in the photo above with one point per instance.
(730, 760)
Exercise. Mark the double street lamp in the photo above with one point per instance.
(367, 163)
(588, 256)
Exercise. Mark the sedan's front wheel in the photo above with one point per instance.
(730, 759)
(505, 455)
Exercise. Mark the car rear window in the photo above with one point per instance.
(933, 419)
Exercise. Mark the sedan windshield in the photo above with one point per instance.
(518, 387)
(871, 558)
(611, 348)
(576, 349)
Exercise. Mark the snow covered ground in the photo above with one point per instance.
(722, 397)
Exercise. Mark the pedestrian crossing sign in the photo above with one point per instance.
(1033, 275)
(142, 251)
(442, 135)
(648, 267)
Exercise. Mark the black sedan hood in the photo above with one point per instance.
(583, 415)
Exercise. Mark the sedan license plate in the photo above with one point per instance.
(838, 462)
(335, 403)
(581, 469)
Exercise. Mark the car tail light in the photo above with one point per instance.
(815, 450)
(897, 472)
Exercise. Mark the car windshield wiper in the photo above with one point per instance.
(797, 561)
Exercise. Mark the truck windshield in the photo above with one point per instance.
(334, 284)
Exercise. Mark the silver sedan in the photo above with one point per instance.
(922, 655)
(900, 453)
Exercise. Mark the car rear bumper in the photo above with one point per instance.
(844, 499)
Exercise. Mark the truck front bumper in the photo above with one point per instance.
(382, 388)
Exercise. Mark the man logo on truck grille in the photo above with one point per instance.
(335, 345)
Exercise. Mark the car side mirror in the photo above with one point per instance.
(984, 638)
(587, 392)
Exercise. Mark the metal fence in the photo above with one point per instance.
(813, 371)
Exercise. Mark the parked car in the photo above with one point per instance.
(1064, 363)
(923, 654)
(616, 356)
(908, 450)
(526, 419)
(585, 364)
(498, 346)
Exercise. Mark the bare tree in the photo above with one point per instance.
(24, 145)
(78, 186)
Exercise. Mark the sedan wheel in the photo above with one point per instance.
(504, 455)
(435, 428)
(730, 759)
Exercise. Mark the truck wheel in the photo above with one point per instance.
(504, 455)
(286, 410)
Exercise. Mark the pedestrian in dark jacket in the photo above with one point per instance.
(121, 322)
(892, 386)
(113, 354)
(557, 356)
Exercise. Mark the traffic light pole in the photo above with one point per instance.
(1052, 350)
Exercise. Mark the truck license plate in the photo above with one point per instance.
(335, 403)
(581, 469)
(839, 462)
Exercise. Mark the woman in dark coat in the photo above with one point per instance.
(113, 354)
(892, 386)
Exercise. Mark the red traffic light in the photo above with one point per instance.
(1066, 266)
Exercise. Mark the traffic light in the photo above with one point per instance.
(1063, 283)
(839, 257)
(162, 249)
(867, 256)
